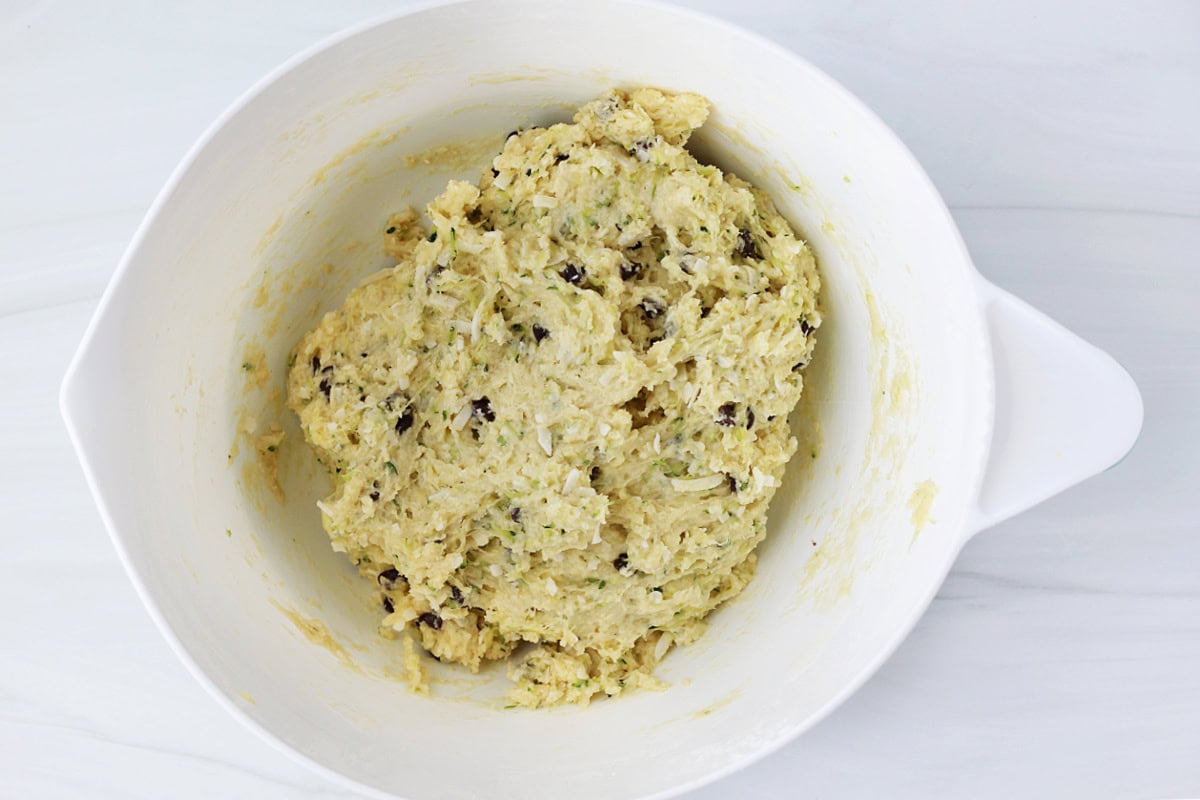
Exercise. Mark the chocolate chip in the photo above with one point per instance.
(316, 364)
(725, 415)
(405, 421)
(805, 328)
(573, 275)
(391, 230)
(561, 157)
(621, 562)
(746, 246)
(799, 365)
(732, 484)
(749, 418)
(325, 386)
(374, 496)
(431, 619)
(705, 311)
(539, 333)
(387, 579)
(456, 595)
(631, 269)
(482, 409)
(594, 473)
(514, 513)
(651, 308)
(387, 605)
(495, 172)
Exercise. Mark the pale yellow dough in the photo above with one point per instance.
(560, 418)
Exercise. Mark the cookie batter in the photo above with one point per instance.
(559, 420)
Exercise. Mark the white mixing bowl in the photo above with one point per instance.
(937, 403)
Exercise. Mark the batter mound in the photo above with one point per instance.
(560, 418)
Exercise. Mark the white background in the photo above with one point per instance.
(1062, 656)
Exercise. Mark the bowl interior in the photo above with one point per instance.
(279, 214)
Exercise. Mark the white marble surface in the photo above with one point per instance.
(1062, 656)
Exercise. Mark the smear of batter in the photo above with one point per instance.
(560, 418)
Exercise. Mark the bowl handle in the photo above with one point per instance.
(1065, 410)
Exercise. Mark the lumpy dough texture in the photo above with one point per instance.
(560, 418)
